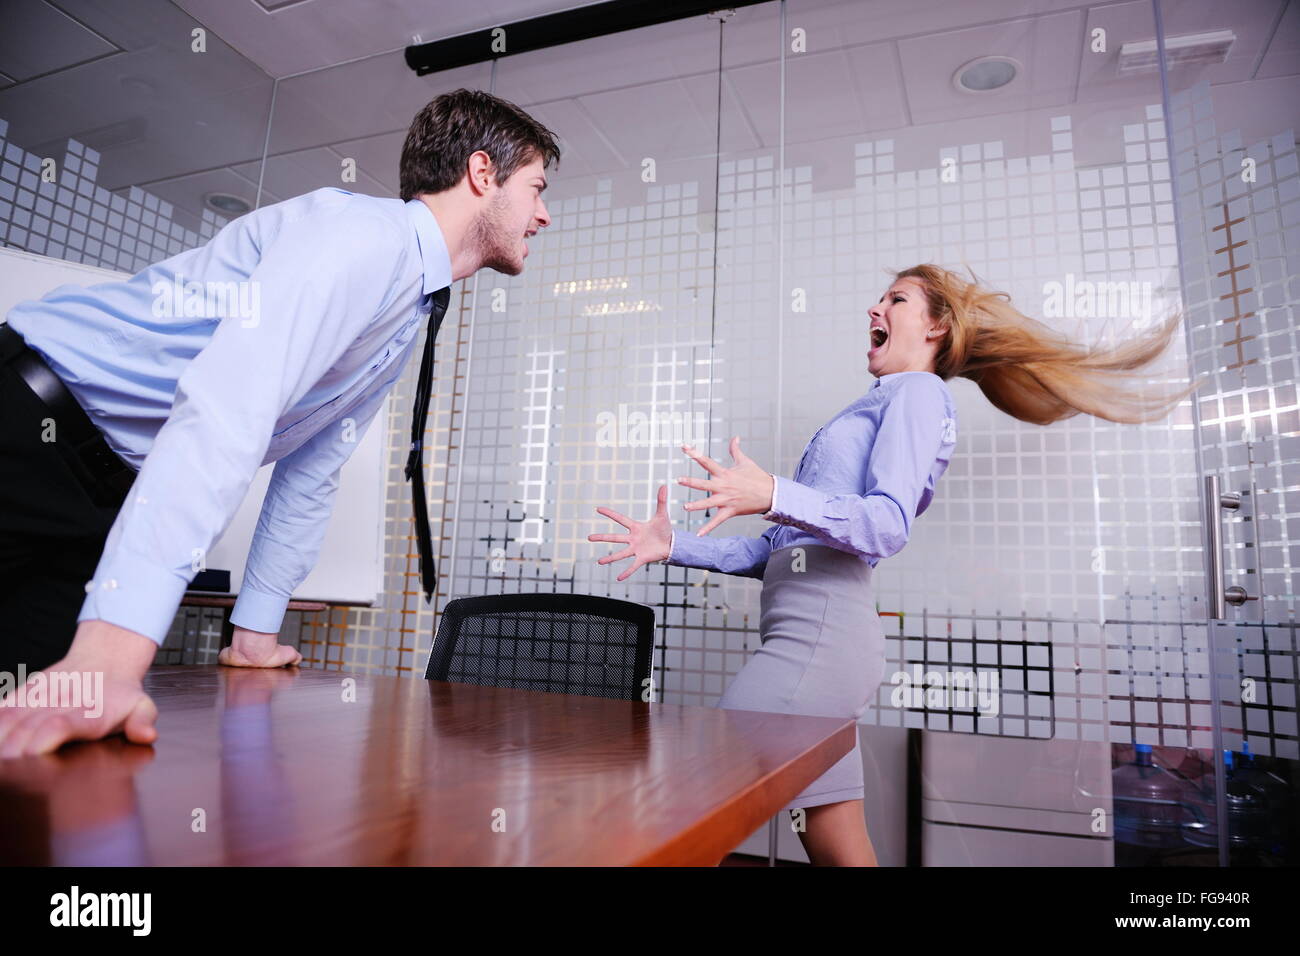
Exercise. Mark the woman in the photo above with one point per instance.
(863, 479)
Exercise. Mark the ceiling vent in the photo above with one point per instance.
(1187, 50)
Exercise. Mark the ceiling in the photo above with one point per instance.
(122, 78)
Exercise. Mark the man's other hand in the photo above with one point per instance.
(256, 649)
(95, 691)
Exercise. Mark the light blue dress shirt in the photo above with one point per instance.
(197, 384)
(863, 478)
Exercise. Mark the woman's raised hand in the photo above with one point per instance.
(646, 541)
(742, 489)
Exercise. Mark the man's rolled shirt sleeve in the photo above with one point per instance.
(295, 515)
(914, 432)
(321, 281)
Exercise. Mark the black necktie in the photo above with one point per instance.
(415, 460)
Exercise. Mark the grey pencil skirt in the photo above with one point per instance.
(822, 654)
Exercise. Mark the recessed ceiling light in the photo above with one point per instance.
(985, 74)
(226, 204)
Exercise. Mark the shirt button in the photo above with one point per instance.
(111, 583)
(90, 586)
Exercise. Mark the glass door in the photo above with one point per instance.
(1237, 198)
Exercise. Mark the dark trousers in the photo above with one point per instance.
(51, 533)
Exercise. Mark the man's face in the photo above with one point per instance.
(514, 212)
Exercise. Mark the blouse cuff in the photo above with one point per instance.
(799, 507)
(772, 510)
(692, 551)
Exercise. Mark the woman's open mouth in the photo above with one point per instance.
(878, 337)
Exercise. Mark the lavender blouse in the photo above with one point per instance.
(863, 478)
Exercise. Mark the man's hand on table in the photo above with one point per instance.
(256, 649)
(108, 664)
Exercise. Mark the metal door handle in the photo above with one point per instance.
(1216, 502)
(1237, 595)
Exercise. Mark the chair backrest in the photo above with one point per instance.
(563, 643)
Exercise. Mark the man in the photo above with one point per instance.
(294, 323)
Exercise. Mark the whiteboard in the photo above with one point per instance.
(350, 569)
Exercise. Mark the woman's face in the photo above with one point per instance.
(899, 326)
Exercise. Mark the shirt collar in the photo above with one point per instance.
(881, 378)
(433, 247)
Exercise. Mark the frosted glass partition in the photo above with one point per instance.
(1049, 553)
(130, 133)
(1241, 232)
(109, 158)
(545, 383)
(1237, 198)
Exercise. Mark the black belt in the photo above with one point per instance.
(103, 474)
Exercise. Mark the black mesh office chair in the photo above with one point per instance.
(562, 643)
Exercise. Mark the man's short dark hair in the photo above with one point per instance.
(454, 125)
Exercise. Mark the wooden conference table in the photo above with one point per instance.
(315, 767)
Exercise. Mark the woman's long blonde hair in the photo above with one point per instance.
(1029, 370)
